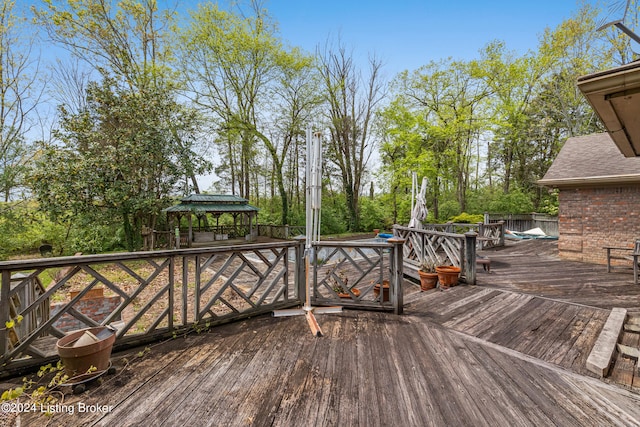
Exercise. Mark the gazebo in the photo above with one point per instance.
(206, 206)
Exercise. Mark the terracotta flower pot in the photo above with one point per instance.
(354, 291)
(385, 290)
(427, 280)
(448, 275)
(78, 356)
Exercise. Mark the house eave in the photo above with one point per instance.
(615, 97)
(591, 181)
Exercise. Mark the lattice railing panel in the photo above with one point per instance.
(491, 235)
(238, 282)
(435, 247)
(143, 295)
(347, 274)
(139, 301)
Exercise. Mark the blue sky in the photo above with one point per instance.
(409, 33)
(406, 34)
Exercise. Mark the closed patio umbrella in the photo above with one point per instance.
(419, 210)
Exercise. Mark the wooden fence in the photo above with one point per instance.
(524, 222)
(160, 293)
(281, 231)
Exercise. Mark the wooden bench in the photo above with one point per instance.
(485, 262)
(624, 253)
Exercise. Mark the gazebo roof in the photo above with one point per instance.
(212, 203)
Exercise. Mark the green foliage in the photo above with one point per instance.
(124, 38)
(41, 390)
(19, 97)
(373, 215)
(514, 202)
(119, 163)
(465, 218)
(24, 228)
(549, 204)
(334, 217)
(448, 209)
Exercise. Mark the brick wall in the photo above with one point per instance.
(590, 218)
(95, 308)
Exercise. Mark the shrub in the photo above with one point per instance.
(465, 218)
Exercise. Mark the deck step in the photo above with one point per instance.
(600, 357)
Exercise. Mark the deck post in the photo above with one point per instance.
(469, 266)
(397, 262)
(502, 229)
(185, 289)
(300, 280)
(4, 312)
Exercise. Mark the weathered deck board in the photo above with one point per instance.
(536, 326)
(369, 369)
(624, 368)
(576, 357)
(564, 337)
(533, 266)
(505, 311)
(486, 309)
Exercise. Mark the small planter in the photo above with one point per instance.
(354, 291)
(385, 290)
(427, 280)
(79, 351)
(448, 275)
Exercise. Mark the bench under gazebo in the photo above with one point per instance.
(209, 207)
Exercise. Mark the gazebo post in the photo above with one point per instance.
(190, 235)
(250, 227)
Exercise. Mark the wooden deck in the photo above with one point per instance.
(533, 267)
(510, 351)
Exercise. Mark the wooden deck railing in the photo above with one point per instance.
(154, 295)
(489, 234)
(157, 294)
(363, 274)
(439, 248)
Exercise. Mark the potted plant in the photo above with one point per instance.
(428, 275)
(385, 290)
(447, 275)
(340, 287)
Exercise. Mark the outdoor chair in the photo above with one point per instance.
(634, 257)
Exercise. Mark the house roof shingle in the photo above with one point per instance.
(591, 159)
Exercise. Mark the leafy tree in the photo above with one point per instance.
(438, 112)
(239, 72)
(398, 130)
(19, 95)
(125, 39)
(118, 159)
(351, 101)
(513, 82)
